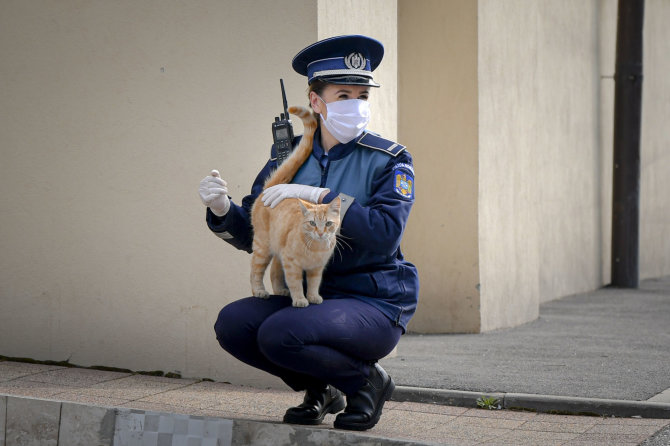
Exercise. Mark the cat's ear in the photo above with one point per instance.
(335, 205)
(302, 207)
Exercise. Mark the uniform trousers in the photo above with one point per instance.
(334, 342)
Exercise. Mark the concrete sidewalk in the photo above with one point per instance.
(610, 344)
(51, 405)
(605, 353)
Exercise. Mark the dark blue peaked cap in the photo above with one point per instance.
(344, 60)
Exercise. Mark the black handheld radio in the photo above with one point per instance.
(282, 131)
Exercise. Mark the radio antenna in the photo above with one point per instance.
(283, 96)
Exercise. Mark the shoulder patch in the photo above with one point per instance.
(405, 166)
(403, 184)
(372, 141)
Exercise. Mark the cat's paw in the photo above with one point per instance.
(283, 292)
(263, 294)
(302, 302)
(314, 299)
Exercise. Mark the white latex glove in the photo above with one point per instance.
(213, 193)
(275, 194)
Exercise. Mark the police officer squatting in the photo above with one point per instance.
(330, 350)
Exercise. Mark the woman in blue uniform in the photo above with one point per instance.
(370, 292)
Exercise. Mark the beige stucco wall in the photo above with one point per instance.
(607, 35)
(538, 162)
(499, 104)
(539, 155)
(437, 98)
(338, 17)
(655, 149)
(114, 112)
(546, 168)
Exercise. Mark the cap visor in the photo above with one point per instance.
(348, 80)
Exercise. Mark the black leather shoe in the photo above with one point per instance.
(316, 405)
(365, 407)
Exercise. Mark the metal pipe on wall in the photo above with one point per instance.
(627, 123)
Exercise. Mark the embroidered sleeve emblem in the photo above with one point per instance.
(404, 184)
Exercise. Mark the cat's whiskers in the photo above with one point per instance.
(340, 241)
(308, 244)
(341, 237)
(338, 249)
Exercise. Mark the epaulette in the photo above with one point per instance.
(372, 141)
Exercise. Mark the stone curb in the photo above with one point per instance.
(587, 406)
(460, 398)
(536, 403)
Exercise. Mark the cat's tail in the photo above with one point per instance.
(285, 173)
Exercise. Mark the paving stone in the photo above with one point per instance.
(427, 408)
(572, 419)
(630, 428)
(486, 423)
(135, 387)
(201, 395)
(82, 425)
(596, 443)
(518, 437)
(454, 441)
(32, 422)
(544, 426)
(635, 421)
(77, 377)
(500, 414)
(396, 424)
(24, 387)
(11, 370)
(611, 438)
(91, 400)
(258, 407)
(464, 432)
(439, 436)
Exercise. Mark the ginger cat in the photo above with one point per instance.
(297, 235)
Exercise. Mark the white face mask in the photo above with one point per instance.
(346, 119)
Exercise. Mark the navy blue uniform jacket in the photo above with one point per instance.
(374, 177)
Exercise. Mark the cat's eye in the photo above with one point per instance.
(329, 223)
(313, 223)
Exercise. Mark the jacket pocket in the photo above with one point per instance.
(387, 283)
